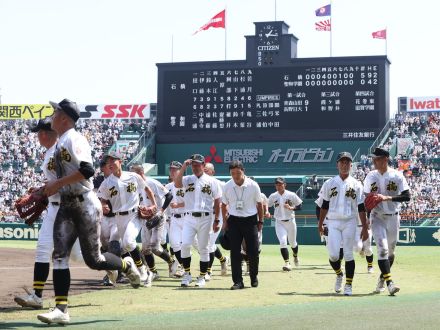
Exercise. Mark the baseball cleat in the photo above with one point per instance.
(173, 268)
(29, 300)
(296, 261)
(224, 267)
(186, 280)
(112, 277)
(132, 273)
(393, 289)
(155, 276)
(348, 290)
(143, 273)
(201, 281)
(287, 267)
(370, 270)
(54, 316)
(208, 277)
(338, 283)
(149, 281)
(237, 286)
(380, 287)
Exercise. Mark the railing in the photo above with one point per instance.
(144, 149)
(380, 137)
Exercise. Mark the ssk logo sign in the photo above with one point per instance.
(114, 111)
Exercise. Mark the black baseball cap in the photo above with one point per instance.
(379, 152)
(175, 164)
(280, 180)
(197, 158)
(42, 125)
(344, 154)
(68, 107)
(103, 161)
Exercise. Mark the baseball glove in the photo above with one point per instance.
(155, 220)
(371, 201)
(145, 212)
(31, 205)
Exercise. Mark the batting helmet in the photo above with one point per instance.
(224, 241)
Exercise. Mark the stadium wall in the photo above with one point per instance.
(420, 236)
(264, 158)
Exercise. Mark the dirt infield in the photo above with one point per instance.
(17, 268)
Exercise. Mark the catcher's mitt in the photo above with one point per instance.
(155, 220)
(31, 205)
(371, 201)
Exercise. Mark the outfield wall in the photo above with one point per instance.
(306, 235)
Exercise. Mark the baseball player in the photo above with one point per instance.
(34, 299)
(151, 238)
(284, 203)
(214, 251)
(79, 212)
(362, 247)
(109, 237)
(202, 196)
(175, 212)
(343, 202)
(391, 188)
(121, 190)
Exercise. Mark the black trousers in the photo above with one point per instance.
(240, 228)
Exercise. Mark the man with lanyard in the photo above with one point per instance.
(202, 196)
(243, 218)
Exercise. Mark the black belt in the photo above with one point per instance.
(389, 215)
(110, 215)
(55, 203)
(78, 197)
(199, 214)
(126, 212)
(286, 220)
(178, 216)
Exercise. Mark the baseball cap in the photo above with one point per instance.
(379, 152)
(280, 180)
(68, 107)
(103, 161)
(114, 155)
(197, 158)
(175, 164)
(344, 154)
(43, 124)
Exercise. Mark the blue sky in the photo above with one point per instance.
(105, 51)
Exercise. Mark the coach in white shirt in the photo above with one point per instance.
(243, 218)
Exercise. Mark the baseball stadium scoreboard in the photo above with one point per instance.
(272, 96)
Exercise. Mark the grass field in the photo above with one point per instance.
(303, 298)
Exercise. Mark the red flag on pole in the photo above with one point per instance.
(323, 25)
(218, 21)
(382, 34)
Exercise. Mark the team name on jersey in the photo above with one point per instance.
(374, 187)
(289, 202)
(131, 187)
(180, 193)
(206, 189)
(276, 204)
(350, 193)
(51, 164)
(392, 186)
(334, 192)
(190, 187)
(65, 155)
(113, 191)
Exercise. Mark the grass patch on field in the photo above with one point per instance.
(303, 298)
(17, 244)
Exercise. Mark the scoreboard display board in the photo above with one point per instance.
(343, 98)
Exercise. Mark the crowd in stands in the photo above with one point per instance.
(420, 162)
(21, 155)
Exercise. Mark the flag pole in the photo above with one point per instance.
(386, 41)
(225, 33)
(275, 1)
(172, 48)
(331, 28)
